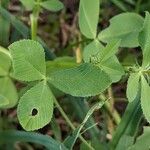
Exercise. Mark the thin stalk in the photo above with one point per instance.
(34, 20)
(78, 55)
(71, 124)
(137, 7)
(34, 26)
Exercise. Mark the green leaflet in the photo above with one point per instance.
(4, 31)
(7, 137)
(35, 108)
(29, 4)
(52, 5)
(91, 50)
(5, 64)
(144, 40)
(8, 93)
(60, 63)
(133, 86)
(142, 142)
(28, 60)
(70, 140)
(95, 144)
(85, 80)
(88, 17)
(126, 27)
(56, 129)
(110, 50)
(113, 68)
(105, 58)
(145, 90)
(125, 142)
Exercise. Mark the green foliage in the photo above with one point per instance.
(145, 89)
(52, 5)
(60, 63)
(35, 107)
(28, 60)
(85, 80)
(125, 142)
(25, 62)
(113, 68)
(4, 31)
(29, 4)
(5, 64)
(133, 86)
(9, 137)
(110, 50)
(88, 17)
(70, 140)
(105, 58)
(8, 93)
(142, 72)
(142, 141)
(124, 27)
(144, 40)
(91, 50)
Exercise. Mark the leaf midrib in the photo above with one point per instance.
(86, 17)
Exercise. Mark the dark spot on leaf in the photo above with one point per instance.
(34, 112)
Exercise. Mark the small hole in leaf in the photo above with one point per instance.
(34, 112)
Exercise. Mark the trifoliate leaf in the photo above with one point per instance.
(133, 86)
(35, 108)
(142, 142)
(28, 60)
(113, 68)
(144, 40)
(5, 64)
(85, 80)
(8, 93)
(126, 27)
(28, 4)
(92, 49)
(52, 5)
(145, 100)
(88, 17)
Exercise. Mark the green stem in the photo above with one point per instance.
(34, 20)
(137, 8)
(34, 24)
(71, 124)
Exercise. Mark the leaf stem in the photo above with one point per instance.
(34, 20)
(137, 8)
(34, 24)
(71, 124)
